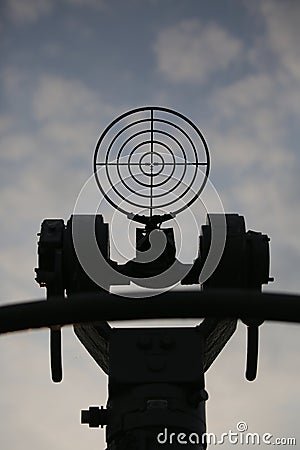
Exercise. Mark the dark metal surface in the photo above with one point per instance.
(148, 389)
(95, 339)
(181, 304)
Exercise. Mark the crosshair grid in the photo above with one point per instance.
(152, 159)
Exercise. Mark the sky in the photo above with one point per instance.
(68, 68)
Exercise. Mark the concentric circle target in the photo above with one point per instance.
(151, 158)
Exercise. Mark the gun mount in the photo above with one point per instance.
(151, 164)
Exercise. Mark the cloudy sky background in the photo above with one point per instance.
(69, 67)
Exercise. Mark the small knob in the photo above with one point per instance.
(95, 417)
(197, 396)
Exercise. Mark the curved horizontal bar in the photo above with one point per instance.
(178, 304)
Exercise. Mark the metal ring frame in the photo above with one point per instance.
(149, 179)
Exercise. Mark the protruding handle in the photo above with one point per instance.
(252, 353)
(252, 347)
(55, 354)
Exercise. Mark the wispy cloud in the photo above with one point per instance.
(282, 32)
(192, 51)
(28, 11)
(43, 168)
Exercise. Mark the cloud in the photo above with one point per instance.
(13, 80)
(6, 122)
(191, 52)
(46, 157)
(46, 152)
(67, 117)
(282, 33)
(253, 135)
(251, 119)
(47, 415)
(99, 4)
(282, 21)
(60, 98)
(28, 11)
(255, 114)
(68, 112)
(264, 412)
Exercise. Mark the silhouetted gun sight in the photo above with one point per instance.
(151, 164)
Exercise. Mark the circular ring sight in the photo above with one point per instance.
(153, 159)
